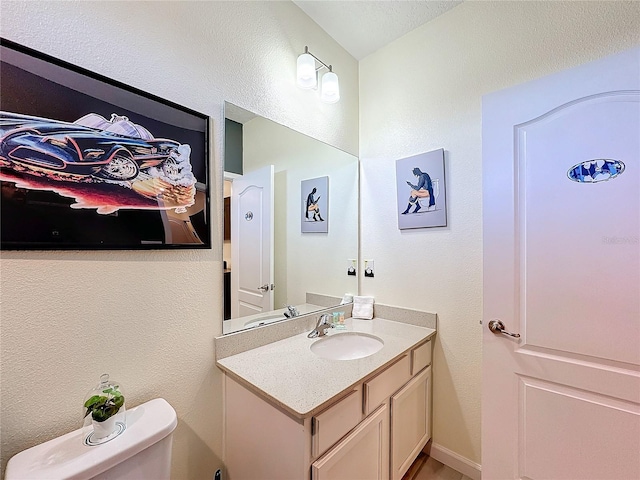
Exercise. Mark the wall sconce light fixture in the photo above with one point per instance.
(307, 74)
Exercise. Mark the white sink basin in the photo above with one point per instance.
(264, 320)
(347, 346)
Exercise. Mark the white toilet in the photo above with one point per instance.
(142, 451)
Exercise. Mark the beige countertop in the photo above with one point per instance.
(294, 378)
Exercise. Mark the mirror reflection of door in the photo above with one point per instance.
(252, 243)
(226, 249)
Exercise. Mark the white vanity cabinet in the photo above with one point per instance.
(334, 422)
(410, 422)
(363, 453)
(372, 430)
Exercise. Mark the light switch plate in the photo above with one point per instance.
(352, 267)
(369, 270)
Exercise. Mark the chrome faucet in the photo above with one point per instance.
(292, 311)
(322, 326)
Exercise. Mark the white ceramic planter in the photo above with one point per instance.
(104, 429)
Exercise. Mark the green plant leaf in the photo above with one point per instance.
(118, 401)
(103, 407)
(99, 415)
(92, 401)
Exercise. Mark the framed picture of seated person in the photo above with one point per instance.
(421, 190)
(315, 205)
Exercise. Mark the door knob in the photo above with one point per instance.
(496, 326)
(264, 288)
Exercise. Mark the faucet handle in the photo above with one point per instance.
(322, 326)
(324, 321)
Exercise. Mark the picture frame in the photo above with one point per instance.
(314, 216)
(90, 163)
(421, 191)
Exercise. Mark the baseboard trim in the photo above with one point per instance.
(455, 461)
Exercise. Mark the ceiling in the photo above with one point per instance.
(364, 26)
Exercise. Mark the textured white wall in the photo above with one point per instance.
(307, 262)
(149, 318)
(423, 92)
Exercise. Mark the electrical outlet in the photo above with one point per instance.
(352, 267)
(369, 268)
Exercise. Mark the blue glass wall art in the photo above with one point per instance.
(595, 171)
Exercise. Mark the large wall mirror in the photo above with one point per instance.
(291, 222)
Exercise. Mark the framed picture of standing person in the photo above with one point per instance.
(315, 205)
(421, 190)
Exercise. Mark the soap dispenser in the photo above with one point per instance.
(104, 412)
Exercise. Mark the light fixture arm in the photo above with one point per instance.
(308, 73)
(322, 64)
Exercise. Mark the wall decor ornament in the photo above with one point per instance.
(315, 205)
(87, 162)
(596, 170)
(421, 191)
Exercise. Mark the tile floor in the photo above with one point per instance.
(426, 468)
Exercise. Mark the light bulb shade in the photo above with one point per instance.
(330, 88)
(306, 72)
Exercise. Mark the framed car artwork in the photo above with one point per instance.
(90, 163)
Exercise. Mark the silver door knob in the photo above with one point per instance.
(264, 288)
(496, 326)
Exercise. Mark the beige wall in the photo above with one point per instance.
(149, 318)
(423, 92)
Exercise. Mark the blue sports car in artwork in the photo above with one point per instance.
(115, 149)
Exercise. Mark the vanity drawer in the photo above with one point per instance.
(385, 384)
(420, 357)
(332, 424)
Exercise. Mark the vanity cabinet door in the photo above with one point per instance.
(336, 421)
(410, 422)
(363, 454)
(420, 357)
(384, 384)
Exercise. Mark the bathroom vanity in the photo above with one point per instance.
(290, 414)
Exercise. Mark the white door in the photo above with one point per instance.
(252, 243)
(562, 270)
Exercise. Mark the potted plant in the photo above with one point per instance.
(103, 404)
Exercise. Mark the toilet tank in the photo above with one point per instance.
(142, 451)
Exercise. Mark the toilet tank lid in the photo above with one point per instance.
(67, 457)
